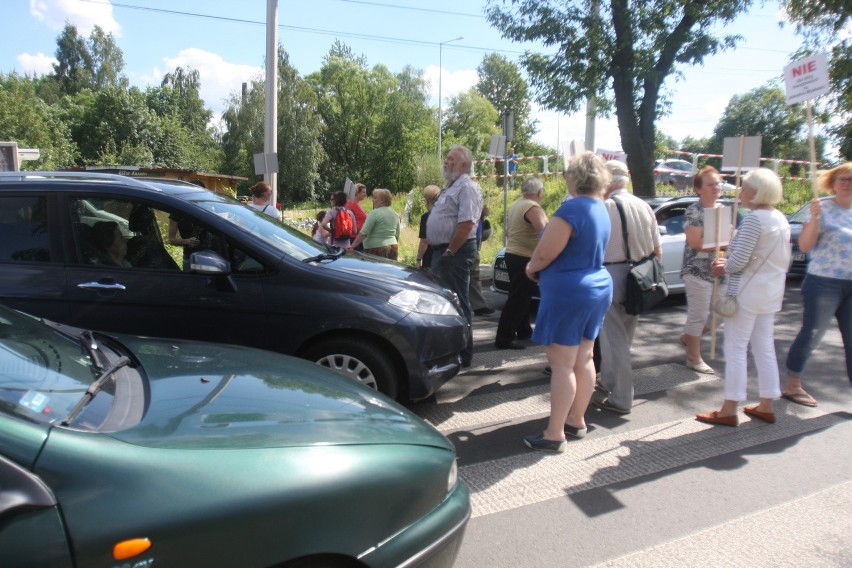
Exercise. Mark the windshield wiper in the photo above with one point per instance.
(337, 253)
(90, 344)
(94, 388)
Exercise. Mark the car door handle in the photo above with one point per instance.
(101, 286)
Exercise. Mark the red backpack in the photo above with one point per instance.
(344, 224)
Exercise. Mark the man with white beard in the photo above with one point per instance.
(451, 231)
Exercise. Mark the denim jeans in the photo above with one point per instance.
(822, 298)
(454, 273)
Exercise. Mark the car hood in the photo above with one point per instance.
(203, 395)
(382, 271)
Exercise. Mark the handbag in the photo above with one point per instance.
(726, 305)
(646, 283)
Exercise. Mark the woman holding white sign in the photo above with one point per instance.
(757, 263)
(695, 271)
(827, 288)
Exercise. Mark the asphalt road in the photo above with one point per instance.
(655, 487)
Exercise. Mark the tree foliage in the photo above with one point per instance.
(500, 82)
(374, 122)
(825, 25)
(32, 123)
(763, 112)
(471, 121)
(95, 63)
(628, 49)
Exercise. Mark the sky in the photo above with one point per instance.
(225, 41)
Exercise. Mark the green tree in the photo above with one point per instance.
(471, 120)
(106, 60)
(300, 152)
(349, 109)
(72, 69)
(405, 129)
(628, 49)
(500, 82)
(95, 63)
(825, 26)
(762, 112)
(185, 138)
(29, 121)
(114, 122)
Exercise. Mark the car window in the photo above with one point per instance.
(672, 218)
(286, 240)
(134, 234)
(24, 235)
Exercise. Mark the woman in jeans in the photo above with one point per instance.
(696, 272)
(757, 263)
(827, 288)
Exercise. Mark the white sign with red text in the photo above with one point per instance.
(608, 155)
(806, 79)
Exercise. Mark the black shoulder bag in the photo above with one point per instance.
(646, 283)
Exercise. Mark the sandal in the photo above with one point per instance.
(700, 367)
(802, 398)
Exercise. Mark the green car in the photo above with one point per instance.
(124, 451)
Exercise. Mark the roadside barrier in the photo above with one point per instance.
(776, 162)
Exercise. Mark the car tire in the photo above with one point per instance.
(358, 359)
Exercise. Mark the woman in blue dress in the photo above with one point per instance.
(576, 291)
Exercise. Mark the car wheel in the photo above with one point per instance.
(357, 359)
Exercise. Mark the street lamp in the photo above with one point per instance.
(440, 74)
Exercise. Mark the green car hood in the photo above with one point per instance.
(203, 395)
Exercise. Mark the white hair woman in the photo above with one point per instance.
(526, 221)
(756, 263)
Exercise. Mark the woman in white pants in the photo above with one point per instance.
(757, 263)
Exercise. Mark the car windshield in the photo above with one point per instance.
(45, 373)
(287, 240)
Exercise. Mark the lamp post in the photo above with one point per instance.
(440, 75)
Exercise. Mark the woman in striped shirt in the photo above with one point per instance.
(756, 263)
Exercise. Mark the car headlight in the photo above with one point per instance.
(453, 477)
(423, 302)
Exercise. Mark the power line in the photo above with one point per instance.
(383, 5)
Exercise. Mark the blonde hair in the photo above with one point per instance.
(766, 185)
(590, 175)
(384, 196)
(826, 180)
(431, 193)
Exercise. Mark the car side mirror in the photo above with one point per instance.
(663, 230)
(210, 263)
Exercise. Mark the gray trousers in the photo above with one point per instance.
(616, 338)
(477, 300)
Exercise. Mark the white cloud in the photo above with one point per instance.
(38, 64)
(451, 82)
(83, 15)
(218, 77)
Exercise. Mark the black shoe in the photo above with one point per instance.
(508, 345)
(548, 370)
(466, 364)
(605, 404)
(539, 442)
(576, 432)
(483, 312)
(524, 336)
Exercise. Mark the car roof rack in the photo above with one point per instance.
(71, 176)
